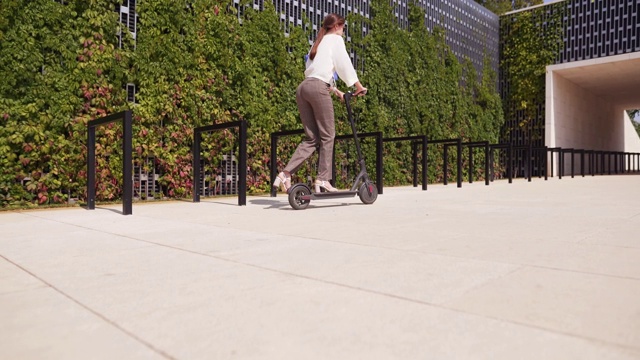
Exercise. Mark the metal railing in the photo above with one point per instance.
(415, 140)
(471, 146)
(242, 166)
(422, 140)
(127, 160)
(531, 161)
(594, 162)
(445, 156)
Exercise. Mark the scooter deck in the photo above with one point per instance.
(330, 195)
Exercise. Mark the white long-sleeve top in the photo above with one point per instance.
(331, 56)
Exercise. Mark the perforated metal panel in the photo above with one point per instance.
(470, 29)
(600, 28)
(592, 29)
(128, 18)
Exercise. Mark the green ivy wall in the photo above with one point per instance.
(532, 40)
(62, 67)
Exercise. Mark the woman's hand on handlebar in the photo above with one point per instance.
(360, 90)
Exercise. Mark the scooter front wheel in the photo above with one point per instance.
(368, 192)
(296, 194)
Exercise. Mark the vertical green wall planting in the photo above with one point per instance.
(531, 40)
(198, 63)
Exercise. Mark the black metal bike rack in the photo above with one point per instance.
(422, 139)
(635, 168)
(553, 150)
(600, 162)
(478, 144)
(242, 165)
(543, 151)
(596, 159)
(509, 149)
(415, 140)
(528, 158)
(563, 152)
(127, 160)
(445, 163)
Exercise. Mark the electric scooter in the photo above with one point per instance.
(300, 195)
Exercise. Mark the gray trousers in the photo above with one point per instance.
(316, 112)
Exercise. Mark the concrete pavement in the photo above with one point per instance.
(540, 270)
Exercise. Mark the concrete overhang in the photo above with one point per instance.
(585, 103)
(613, 78)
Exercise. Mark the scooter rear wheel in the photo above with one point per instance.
(295, 196)
(368, 192)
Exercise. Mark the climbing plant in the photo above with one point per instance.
(531, 41)
(502, 6)
(60, 67)
(418, 87)
(201, 62)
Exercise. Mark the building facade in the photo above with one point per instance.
(471, 30)
(589, 84)
(591, 30)
(596, 29)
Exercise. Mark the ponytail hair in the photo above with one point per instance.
(329, 22)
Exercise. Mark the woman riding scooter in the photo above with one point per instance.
(313, 96)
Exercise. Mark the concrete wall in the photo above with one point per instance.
(581, 119)
(577, 118)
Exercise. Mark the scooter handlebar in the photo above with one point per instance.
(349, 94)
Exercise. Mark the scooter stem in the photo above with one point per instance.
(347, 100)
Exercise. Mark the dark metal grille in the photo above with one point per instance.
(592, 29)
(600, 28)
(470, 29)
